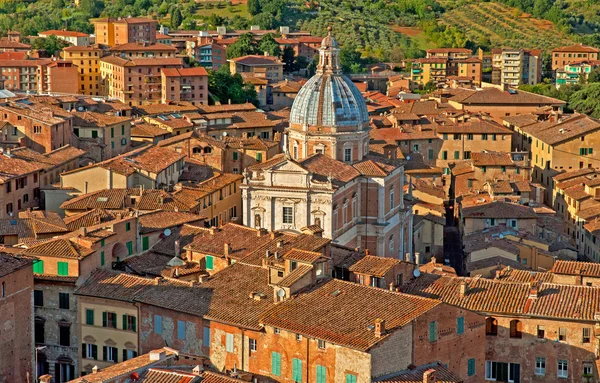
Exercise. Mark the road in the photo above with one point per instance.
(452, 244)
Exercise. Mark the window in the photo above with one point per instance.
(467, 155)
(129, 247)
(297, 370)
(158, 324)
(64, 335)
(588, 370)
(347, 154)
(127, 226)
(276, 330)
(457, 137)
(433, 336)
(206, 337)
(129, 354)
(258, 157)
(109, 319)
(63, 268)
(494, 137)
(89, 351)
(38, 267)
(145, 243)
(470, 136)
(321, 344)
(38, 330)
(445, 155)
(210, 260)
(540, 366)
(562, 334)
(350, 378)
(129, 322)
(38, 298)
(586, 335)
(321, 374)
(541, 330)
(484, 137)
(563, 369)
(430, 154)
(471, 367)
(275, 363)
(63, 301)
(110, 354)
(252, 345)
(445, 136)
(112, 132)
(89, 317)
(180, 329)
(502, 372)
(288, 215)
(460, 325)
(229, 342)
(491, 326)
(515, 328)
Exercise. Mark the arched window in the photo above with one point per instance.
(515, 328)
(197, 150)
(491, 326)
(207, 150)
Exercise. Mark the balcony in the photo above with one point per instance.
(417, 71)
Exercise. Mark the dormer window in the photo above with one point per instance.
(293, 265)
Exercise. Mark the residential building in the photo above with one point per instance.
(60, 75)
(144, 132)
(16, 291)
(209, 55)
(476, 215)
(143, 50)
(266, 67)
(185, 84)
(573, 53)
(283, 94)
(430, 69)
(120, 31)
(514, 67)
(149, 166)
(78, 39)
(87, 60)
(328, 173)
(134, 81)
(471, 69)
(52, 163)
(12, 43)
(20, 181)
(25, 75)
(575, 72)
(107, 135)
(385, 273)
(533, 329)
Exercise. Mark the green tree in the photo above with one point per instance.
(593, 76)
(350, 59)
(253, 7)
(176, 18)
(50, 45)
(289, 59)
(91, 8)
(586, 100)
(269, 45)
(225, 87)
(245, 45)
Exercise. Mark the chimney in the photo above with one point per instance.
(273, 235)
(533, 291)
(46, 378)
(95, 370)
(157, 355)
(156, 281)
(267, 254)
(462, 289)
(226, 249)
(429, 376)
(578, 277)
(417, 258)
(279, 243)
(83, 231)
(379, 327)
(366, 251)
(198, 370)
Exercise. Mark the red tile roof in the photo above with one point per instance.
(439, 374)
(373, 265)
(587, 269)
(576, 48)
(184, 72)
(10, 263)
(63, 33)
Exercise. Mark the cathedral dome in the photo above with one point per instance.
(329, 99)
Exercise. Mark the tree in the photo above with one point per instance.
(176, 18)
(253, 7)
(245, 45)
(225, 87)
(350, 58)
(288, 58)
(586, 100)
(269, 45)
(91, 8)
(594, 75)
(50, 44)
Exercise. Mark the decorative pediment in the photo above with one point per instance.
(288, 166)
(110, 342)
(89, 339)
(258, 209)
(290, 201)
(130, 345)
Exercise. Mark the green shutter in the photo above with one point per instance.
(444, 155)
(258, 157)
(63, 268)
(102, 258)
(460, 325)
(89, 317)
(432, 331)
(321, 374)
(129, 247)
(296, 370)
(235, 156)
(124, 321)
(275, 363)
(104, 319)
(112, 132)
(581, 151)
(101, 242)
(456, 154)
(590, 150)
(471, 367)
(350, 378)
(430, 154)
(122, 130)
(127, 226)
(145, 243)
(133, 324)
(38, 267)
(209, 262)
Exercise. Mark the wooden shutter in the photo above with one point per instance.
(104, 320)
(124, 321)
(83, 351)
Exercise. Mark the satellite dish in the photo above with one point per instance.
(281, 293)
(224, 134)
(167, 232)
(417, 273)
(408, 158)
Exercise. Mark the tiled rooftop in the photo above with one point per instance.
(374, 265)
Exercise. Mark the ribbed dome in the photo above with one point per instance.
(329, 100)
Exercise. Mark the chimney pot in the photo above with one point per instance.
(366, 251)
(429, 376)
(379, 327)
(463, 289)
(95, 370)
(226, 249)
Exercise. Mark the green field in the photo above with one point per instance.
(220, 8)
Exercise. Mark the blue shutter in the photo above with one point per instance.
(297, 370)
(432, 331)
(206, 337)
(460, 325)
(350, 378)
(180, 329)
(471, 367)
(158, 324)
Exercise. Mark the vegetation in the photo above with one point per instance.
(51, 45)
(225, 87)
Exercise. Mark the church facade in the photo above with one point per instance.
(327, 179)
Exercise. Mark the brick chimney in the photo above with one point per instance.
(579, 277)
(462, 289)
(226, 249)
(533, 291)
(366, 251)
(429, 376)
(379, 327)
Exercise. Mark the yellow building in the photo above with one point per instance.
(87, 60)
(108, 318)
(429, 69)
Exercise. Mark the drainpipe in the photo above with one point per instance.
(307, 360)
(243, 343)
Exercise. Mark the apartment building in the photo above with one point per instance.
(24, 75)
(78, 39)
(265, 67)
(134, 81)
(107, 135)
(16, 291)
(515, 67)
(430, 69)
(566, 55)
(20, 182)
(575, 72)
(185, 84)
(141, 49)
(476, 214)
(59, 77)
(209, 55)
(87, 61)
(112, 32)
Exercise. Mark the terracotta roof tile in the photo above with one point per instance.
(490, 158)
(161, 220)
(587, 269)
(61, 248)
(10, 263)
(500, 97)
(576, 48)
(511, 274)
(242, 241)
(373, 265)
(303, 255)
(295, 275)
(155, 375)
(344, 313)
(143, 47)
(441, 374)
(498, 209)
